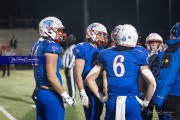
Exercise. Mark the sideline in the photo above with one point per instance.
(6, 113)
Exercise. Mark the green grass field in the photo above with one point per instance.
(15, 98)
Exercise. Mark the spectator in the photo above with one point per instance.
(13, 42)
(7, 52)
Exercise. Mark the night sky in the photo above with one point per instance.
(153, 14)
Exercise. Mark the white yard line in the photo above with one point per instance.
(6, 113)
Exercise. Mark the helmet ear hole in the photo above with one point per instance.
(91, 33)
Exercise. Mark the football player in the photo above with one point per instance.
(122, 65)
(154, 43)
(86, 55)
(49, 93)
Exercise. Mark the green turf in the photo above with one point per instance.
(15, 97)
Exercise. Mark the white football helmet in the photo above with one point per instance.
(154, 37)
(125, 35)
(114, 34)
(94, 29)
(49, 26)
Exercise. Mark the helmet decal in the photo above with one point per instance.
(123, 38)
(48, 24)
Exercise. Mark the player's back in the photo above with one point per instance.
(122, 69)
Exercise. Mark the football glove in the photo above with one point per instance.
(143, 103)
(69, 101)
(103, 98)
(84, 98)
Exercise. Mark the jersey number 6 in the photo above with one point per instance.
(117, 64)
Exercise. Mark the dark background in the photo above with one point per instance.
(153, 14)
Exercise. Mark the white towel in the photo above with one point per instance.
(120, 107)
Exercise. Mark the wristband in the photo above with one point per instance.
(82, 92)
(64, 95)
(145, 102)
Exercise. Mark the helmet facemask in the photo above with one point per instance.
(154, 49)
(101, 38)
(154, 38)
(62, 37)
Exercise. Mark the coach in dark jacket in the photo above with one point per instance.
(167, 94)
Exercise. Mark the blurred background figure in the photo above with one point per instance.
(7, 52)
(3, 48)
(139, 40)
(68, 62)
(13, 42)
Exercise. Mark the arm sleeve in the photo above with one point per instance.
(53, 48)
(79, 52)
(142, 56)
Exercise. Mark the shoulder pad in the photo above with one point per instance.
(166, 60)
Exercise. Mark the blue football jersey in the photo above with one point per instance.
(122, 69)
(89, 54)
(38, 50)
